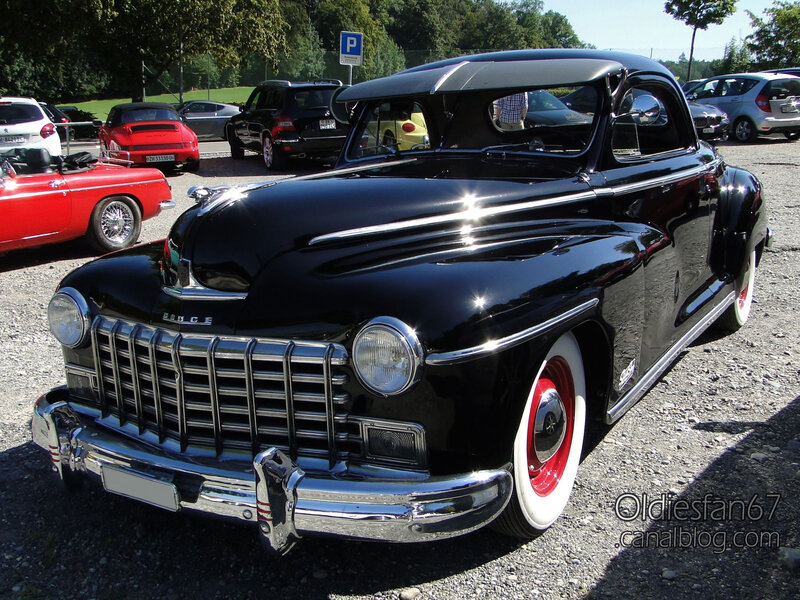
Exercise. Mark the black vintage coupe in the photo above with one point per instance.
(412, 345)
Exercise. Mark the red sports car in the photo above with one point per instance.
(149, 133)
(46, 199)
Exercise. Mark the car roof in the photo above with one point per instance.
(18, 99)
(503, 70)
(135, 105)
(300, 84)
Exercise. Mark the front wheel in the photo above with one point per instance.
(736, 315)
(743, 130)
(237, 151)
(547, 447)
(115, 224)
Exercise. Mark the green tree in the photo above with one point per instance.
(699, 14)
(776, 39)
(736, 59)
(124, 35)
(304, 57)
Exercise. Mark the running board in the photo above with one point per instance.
(637, 391)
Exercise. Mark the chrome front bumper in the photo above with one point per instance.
(272, 492)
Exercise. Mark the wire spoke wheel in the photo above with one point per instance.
(115, 224)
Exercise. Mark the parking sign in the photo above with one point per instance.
(351, 48)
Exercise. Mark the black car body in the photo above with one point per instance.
(283, 119)
(410, 346)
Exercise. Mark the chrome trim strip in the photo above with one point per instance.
(329, 406)
(137, 390)
(213, 393)
(474, 214)
(665, 179)
(640, 387)
(112, 347)
(202, 294)
(180, 390)
(492, 346)
(164, 205)
(252, 415)
(155, 338)
(289, 391)
(98, 369)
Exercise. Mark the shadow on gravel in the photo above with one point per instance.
(31, 257)
(252, 165)
(720, 537)
(90, 544)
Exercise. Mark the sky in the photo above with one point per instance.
(643, 27)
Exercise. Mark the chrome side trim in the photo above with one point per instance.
(492, 346)
(472, 214)
(640, 387)
(664, 180)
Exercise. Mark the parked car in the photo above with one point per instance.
(24, 124)
(207, 119)
(785, 71)
(84, 132)
(283, 119)
(710, 122)
(46, 199)
(149, 133)
(411, 345)
(396, 130)
(756, 103)
(59, 119)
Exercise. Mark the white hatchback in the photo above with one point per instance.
(23, 124)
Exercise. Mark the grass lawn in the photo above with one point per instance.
(237, 95)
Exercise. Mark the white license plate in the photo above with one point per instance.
(789, 108)
(327, 124)
(708, 130)
(140, 487)
(12, 139)
(160, 158)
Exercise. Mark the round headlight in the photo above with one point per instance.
(387, 356)
(68, 317)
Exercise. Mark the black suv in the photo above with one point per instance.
(284, 119)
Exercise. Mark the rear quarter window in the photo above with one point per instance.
(13, 114)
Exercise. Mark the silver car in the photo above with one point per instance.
(756, 103)
(206, 118)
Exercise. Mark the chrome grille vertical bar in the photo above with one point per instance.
(137, 390)
(329, 407)
(98, 367)
(213, 393)
(112, 344)
(179, 391)
(155, 338)
(287, 384)
(251, 392)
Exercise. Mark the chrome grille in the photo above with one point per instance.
(224, 392)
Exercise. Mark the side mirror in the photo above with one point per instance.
(6, 170)
(645, 110)
(343, 112)
(691, 97)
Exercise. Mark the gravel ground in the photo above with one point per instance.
(720, 431)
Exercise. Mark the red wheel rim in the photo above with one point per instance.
(742, 299)
(544, 477)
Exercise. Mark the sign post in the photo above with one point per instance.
(351, 50)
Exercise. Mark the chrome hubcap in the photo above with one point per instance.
(550, 425)
(117, 222)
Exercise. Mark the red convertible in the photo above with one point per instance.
(46, 199)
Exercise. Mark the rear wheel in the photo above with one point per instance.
(547, 447)
(237, 151)
(272, 158)
(743, 130)
(792, 135)
(115, 224)
(737, 313)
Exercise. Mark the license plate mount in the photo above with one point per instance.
(152, 158)
(139, 486)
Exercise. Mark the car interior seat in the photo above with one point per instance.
(38, 160)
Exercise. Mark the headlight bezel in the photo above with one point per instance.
(409, 341)
(82, 315)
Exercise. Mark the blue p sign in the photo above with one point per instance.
(350, 48)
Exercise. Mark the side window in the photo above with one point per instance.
(638, 135)
(706, 90)
(252, 101)
(732, 87)
(391, 127)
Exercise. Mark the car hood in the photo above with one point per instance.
(344, 223)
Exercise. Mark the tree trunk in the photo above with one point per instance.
(691, 55)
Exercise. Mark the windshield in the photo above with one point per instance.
(554, 120)
(139, 115)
